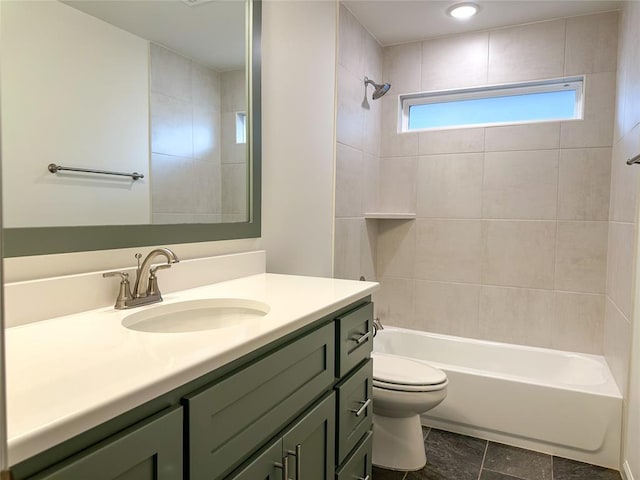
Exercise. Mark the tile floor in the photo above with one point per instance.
(457, 457)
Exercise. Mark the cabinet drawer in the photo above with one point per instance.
(149, 450)
(355, 409)
(359, 466)
(355, 338)
(234, 417)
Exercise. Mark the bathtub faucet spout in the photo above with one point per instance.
(377, 325)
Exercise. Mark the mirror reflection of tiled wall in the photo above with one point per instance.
(198, 172)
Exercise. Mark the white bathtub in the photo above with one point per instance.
(561, 403)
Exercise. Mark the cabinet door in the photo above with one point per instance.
(233, 418)
(149, 450)
(310, 443)
(266, 466)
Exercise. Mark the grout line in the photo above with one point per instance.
(486, 447)
(551, 467)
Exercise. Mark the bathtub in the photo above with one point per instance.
(562, 403)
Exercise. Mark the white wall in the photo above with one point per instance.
(298, 118)
(74, 93)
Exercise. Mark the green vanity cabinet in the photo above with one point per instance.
(306, 448)
(239, 413)
(150, 450)
(301, 403)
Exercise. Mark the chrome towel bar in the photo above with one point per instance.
(53, 168)
(634, 160)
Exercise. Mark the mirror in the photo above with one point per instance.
(168, 89)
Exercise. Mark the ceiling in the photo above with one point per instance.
(401, 21)
(211, 33)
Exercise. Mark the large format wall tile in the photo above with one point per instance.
(596, 129)
(394, 302)
(171, 126)
(624, 178)
(402, 67)
(581, 257)
(592, 44)
(617, 344)
(455, 62)
(620, 261)
(398, 183)
(350, 118)
(520, 185)
(396, 248)
(518, 253)
(578, 322)
(456, 140)
(349, 181)
(583, 184)
(535, 136)
(395, 144)
(170, 73)
(450, 186)
(448, 250)
(351, 36)
(347, 248)
(516, 315)
(527, 52)
(449, 308)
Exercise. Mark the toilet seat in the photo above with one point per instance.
(391, 372)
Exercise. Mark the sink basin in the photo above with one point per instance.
(196, 315)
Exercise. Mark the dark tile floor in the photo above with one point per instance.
(457, 457)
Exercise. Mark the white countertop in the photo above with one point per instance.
(68, 374)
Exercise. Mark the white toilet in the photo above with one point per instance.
(402, 389)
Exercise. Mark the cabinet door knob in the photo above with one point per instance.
(362, 408)
(298, 455)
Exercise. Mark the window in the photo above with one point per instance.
(241, 127)
(546, 101)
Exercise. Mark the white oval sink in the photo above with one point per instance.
(196, 315)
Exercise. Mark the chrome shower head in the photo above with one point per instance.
(380, 90)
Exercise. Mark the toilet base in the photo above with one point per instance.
(398, 443)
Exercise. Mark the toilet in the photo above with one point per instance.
(403, 389)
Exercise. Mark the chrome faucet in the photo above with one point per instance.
(145, 290)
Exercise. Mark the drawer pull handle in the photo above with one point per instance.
(298, 455)
(362, 478)
(284, 466)
(360, 340)
(362, 408)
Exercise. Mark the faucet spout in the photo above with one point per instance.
(142, 277)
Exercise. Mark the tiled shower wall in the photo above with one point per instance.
(510, 240)
(198, 171)
(357, 150)
(624, 192)
(185, 140)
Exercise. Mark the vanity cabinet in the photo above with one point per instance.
(241, 412)
(150, 450)
(304, 452)
(301, 404)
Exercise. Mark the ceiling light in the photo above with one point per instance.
(462, 11)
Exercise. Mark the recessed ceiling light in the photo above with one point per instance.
(462, 11)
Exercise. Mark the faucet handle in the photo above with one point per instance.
(124, 293)
(153, 289)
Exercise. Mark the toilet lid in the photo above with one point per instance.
(392, 369)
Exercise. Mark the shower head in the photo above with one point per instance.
(380, 90)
